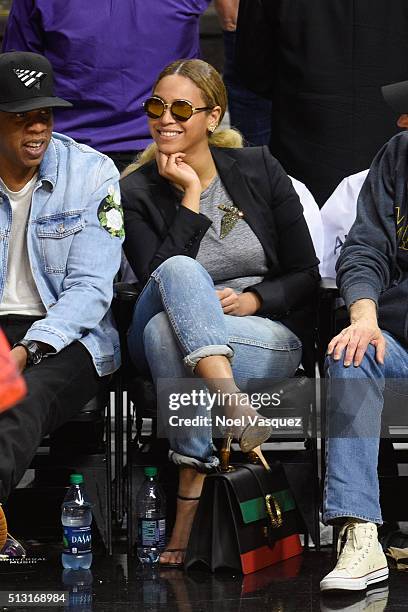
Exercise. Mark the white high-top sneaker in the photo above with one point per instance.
(360, 562)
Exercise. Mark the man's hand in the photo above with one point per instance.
(227, 13)
(238, 304)
(355, 338)
(19, 354)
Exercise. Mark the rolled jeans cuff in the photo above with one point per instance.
(201, 466)
(330, 518)
(193, 358)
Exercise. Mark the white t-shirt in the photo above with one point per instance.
(20, 293)
(338, 215)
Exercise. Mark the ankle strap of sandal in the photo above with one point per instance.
(187, 498)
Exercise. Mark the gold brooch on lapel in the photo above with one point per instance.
(230, 218)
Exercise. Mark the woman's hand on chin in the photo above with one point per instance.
(173, 168)
(238, 304)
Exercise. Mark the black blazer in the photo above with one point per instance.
(257, 184)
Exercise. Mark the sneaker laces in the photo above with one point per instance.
(355, 534)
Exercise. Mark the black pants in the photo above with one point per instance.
(58, 387)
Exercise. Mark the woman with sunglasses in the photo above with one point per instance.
(216, 234)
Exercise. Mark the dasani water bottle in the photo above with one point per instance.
(151, 518)
(76, 519)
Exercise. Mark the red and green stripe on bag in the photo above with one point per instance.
(255, 552)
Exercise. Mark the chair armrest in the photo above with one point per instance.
(328, 296)
(124, 299)
(126, 292)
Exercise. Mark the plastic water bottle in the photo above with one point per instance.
(76, 519)
(151, 518)
(78, 583)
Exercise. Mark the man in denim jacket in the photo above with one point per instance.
(61, 228)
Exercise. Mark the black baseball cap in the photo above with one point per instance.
(396, 96)
(27, 83)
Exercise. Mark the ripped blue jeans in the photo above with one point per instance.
(178, 320)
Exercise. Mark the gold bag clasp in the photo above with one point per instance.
(274, 511)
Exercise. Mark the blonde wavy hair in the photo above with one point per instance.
(210, 83)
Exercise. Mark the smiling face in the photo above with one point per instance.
(191, 136)
(24, 138)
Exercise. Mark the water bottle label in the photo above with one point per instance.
(77, 540)
(152, 532)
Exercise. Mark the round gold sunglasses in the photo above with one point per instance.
(181, 110)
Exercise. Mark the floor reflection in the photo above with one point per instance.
(119, 583)
(374, 599)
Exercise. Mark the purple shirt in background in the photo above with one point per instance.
(106, 55)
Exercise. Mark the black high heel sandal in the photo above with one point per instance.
(179, 565)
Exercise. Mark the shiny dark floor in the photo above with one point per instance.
(118, 583)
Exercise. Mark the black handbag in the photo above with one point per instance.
(247, 519)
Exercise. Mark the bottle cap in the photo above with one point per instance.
(76, 479)
(150, 471)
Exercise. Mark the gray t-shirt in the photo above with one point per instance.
(237, 260)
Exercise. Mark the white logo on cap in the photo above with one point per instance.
(30, 78)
